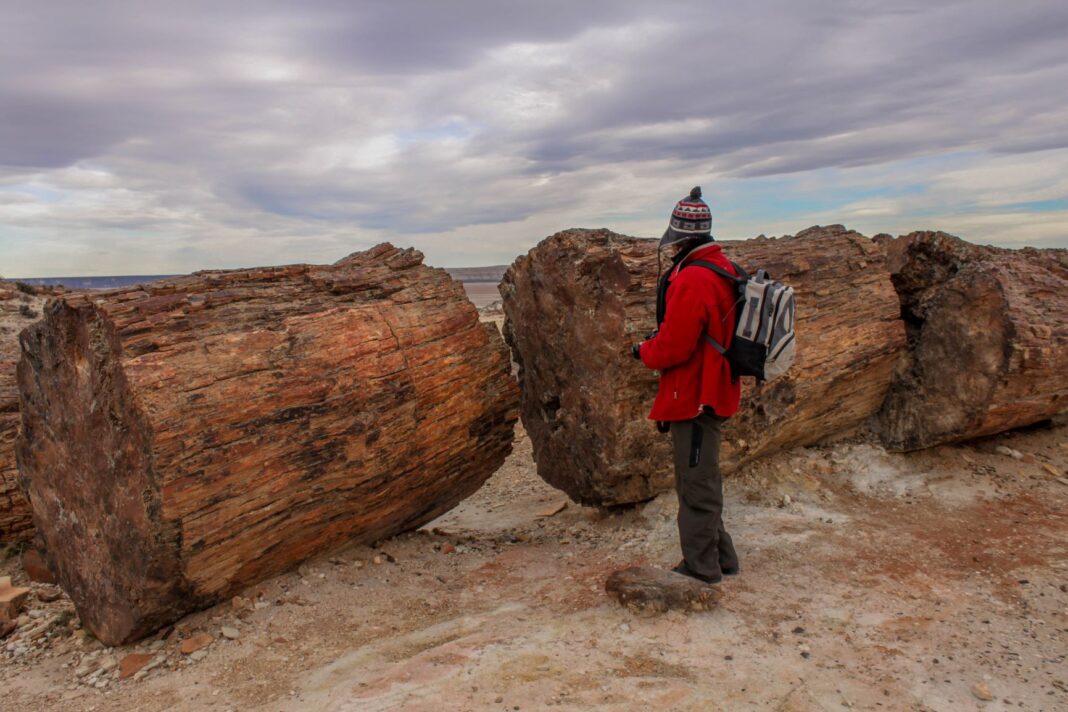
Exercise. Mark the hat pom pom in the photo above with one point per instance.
(696, 192)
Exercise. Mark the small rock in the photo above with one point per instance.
(239, 603)
(133, 664)
(107, 664)
(230, 633)
(195, 643)
(447, 548)
(48, 595)
(646, 587)
(1009, 452)
(12, 600)
(198, 655)
(7, 628)
(156, 662)
(625, 627)
(785, 501)
(377, 560)
(1051, 469)
(260, 605)
(982, 691)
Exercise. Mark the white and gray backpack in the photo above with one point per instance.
(763, 344)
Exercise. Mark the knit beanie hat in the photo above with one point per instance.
(690, 219)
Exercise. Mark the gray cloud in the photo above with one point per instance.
(311, 122)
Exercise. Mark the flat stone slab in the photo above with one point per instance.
(650, 588)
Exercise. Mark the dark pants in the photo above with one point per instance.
(706, 546)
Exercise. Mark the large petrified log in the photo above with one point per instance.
(19, 307)
(184, 439)
(988, 333)
(576, 302)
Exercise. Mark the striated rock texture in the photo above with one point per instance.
(988, 332)
(577, 301)
(187, 438)
(19, 307)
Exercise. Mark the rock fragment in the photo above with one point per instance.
(133, 663)
(194, 643)
(646, 587)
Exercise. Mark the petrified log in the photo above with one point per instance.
(187, 438)
(988, 333)
(19, 307)
(653, 589)
(576, 302)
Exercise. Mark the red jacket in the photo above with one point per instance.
(692, 373)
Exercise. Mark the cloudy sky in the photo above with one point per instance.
(152, 138)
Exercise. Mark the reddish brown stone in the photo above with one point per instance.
(188, 438)
(36, 568)
(988, 330)
(576, 302)
(132, 664)
(12, 600)
(195, 643)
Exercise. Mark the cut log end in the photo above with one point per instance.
(988, 330)
(98, 508)
(651, 589)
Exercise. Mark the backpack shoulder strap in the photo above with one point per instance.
(718, 270)
(714, 344)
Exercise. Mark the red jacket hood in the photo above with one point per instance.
(703, 252)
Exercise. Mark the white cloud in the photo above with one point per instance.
(213, 135)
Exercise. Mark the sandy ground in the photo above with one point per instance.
(870, 581)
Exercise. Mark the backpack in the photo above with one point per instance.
(763, 344)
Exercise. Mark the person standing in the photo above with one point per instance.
(697, 392)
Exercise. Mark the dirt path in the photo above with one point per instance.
(869, 581)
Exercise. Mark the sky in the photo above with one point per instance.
(156, 138)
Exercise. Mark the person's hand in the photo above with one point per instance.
(636, 351)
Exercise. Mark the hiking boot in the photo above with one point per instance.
(731, 571)
(683, 569)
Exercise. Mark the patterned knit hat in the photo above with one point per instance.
(691, 218)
